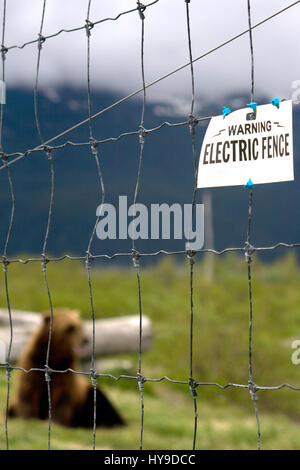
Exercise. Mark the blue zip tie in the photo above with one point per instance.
(226, 111)
(253, 106)
(275, 102)
(249, 184)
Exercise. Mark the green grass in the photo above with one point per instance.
(226, 418)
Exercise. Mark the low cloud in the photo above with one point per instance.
(115, 49)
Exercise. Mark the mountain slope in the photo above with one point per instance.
(167, 176)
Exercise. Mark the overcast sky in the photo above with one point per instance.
(115, 47)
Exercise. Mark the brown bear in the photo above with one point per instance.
(72, 395)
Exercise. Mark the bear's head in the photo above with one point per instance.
(68, 336)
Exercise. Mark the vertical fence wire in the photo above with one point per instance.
(41, 39)
(248, 254)
(44, 269)
(5, 262)
(94, 151)
(3, 56)
(191, 254)
(251, 49)
(192, 381)
(135, 255)
(44, 257)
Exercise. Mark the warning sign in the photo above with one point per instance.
(246, 145)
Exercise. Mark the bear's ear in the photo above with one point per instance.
(76, 312)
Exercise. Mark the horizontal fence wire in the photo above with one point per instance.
(153, 379)
(79, 28)
(241, 249)
(136, 257)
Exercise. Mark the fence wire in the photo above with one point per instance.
(93, 144)
(252, 386)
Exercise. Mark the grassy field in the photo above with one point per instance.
(226, 418)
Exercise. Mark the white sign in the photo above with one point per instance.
(247, 146)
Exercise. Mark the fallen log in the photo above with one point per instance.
(112, 335)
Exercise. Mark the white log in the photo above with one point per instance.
(24, 323)
(118, 335)
(113, 335)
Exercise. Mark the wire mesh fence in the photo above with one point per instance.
(94, 145)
